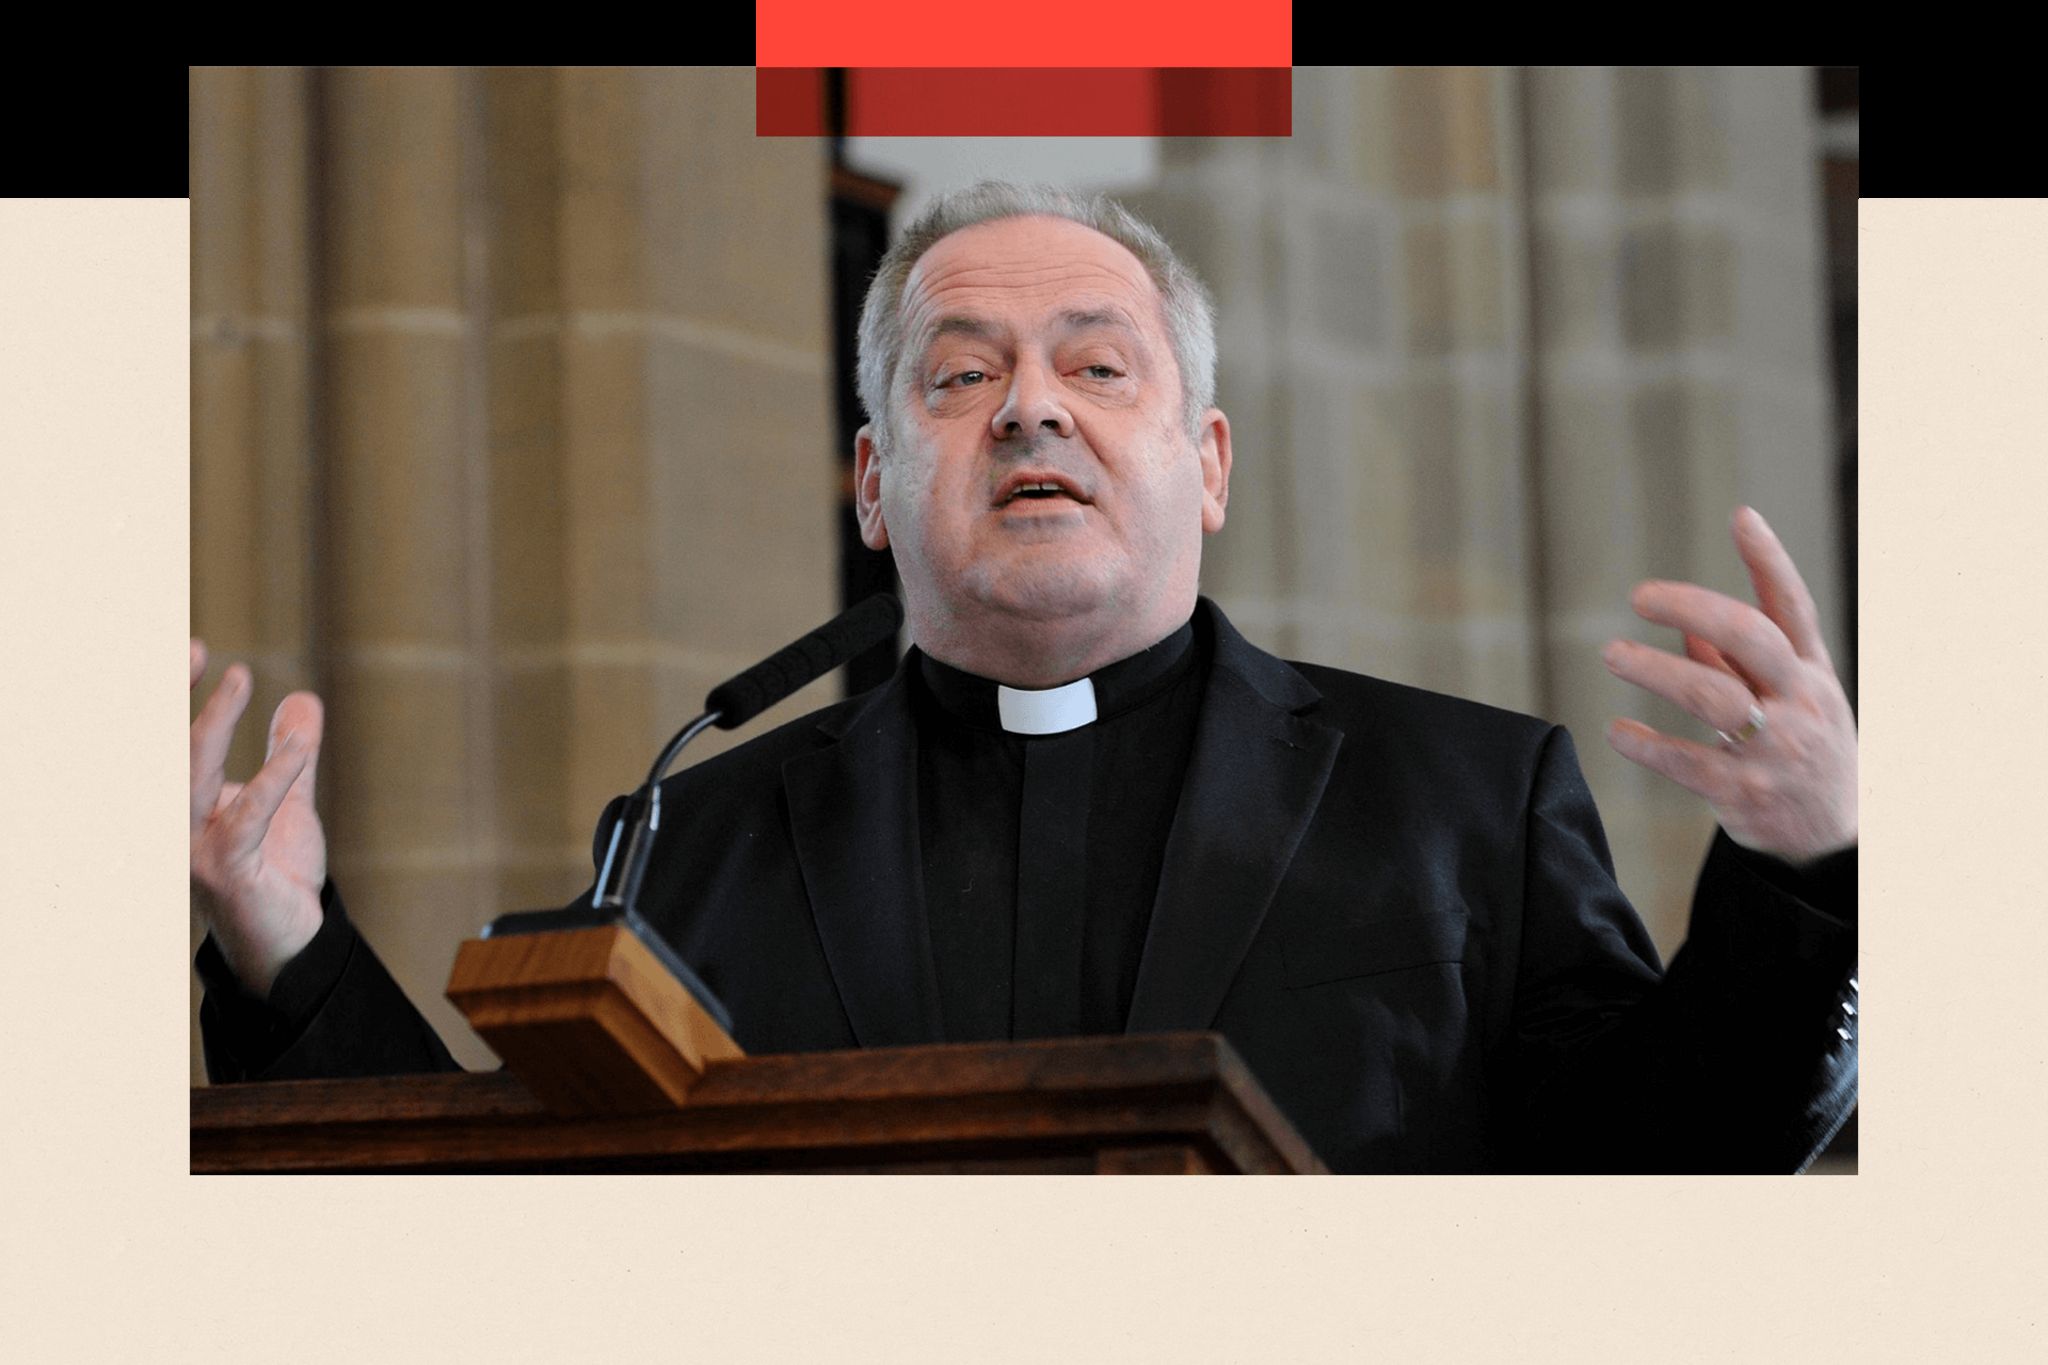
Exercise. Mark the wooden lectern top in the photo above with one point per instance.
(1147, 1103)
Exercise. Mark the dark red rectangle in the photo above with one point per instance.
(1130, 33)
(789, 101)
(1233, 101)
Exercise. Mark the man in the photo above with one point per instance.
(1085, 804)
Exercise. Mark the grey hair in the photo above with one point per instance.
(1190, 313)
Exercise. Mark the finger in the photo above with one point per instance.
(1699, 651)
(244, 823)
(1780, 590)
(198, 660)
(1696, 648)
(302, 714)
(228, 792)
(1700, 770)
(213, 730)
(1705, 693)
(1749, 640)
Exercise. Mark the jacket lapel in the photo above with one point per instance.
(1254, 779)
(853, 817)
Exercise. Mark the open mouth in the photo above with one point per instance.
(1037, 490)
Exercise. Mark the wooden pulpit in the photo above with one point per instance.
(1157, 1103)
(612, 1065)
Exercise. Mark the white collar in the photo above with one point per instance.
(1051, 711)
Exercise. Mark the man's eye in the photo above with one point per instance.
(1099, 371)
(962, 379)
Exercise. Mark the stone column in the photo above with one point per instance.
(570, 393)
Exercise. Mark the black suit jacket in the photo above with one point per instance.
(1398, 906)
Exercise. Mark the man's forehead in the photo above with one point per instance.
(1080, 317)
(1062, 271)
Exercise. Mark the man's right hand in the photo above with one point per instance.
(259, 857)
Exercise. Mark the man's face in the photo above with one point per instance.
(1040, 465)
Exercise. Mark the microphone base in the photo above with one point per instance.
(586, 1013)
(594, 917)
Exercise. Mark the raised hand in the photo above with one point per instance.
(1783, 779)
(259, 856)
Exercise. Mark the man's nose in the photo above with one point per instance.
(1033, 404)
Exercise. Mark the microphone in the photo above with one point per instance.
(730, 704)
(851, 633)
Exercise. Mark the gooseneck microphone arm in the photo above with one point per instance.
(642, 816)
(733, 703)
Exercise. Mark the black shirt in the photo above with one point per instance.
(1085, 863)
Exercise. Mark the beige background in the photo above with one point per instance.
(110, 1250)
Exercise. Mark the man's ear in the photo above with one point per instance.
(867, 489)
(1212, 442)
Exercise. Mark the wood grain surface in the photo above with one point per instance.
(1164, 1102)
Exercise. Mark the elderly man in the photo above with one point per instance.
(1084, 804)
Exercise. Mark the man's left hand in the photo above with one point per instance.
(1783, 780)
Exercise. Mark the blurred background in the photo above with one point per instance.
(522, 414)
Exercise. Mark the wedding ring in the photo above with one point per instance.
(1751, 728)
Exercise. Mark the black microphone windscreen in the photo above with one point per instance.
(850, 633)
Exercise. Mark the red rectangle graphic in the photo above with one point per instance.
(1132, 33)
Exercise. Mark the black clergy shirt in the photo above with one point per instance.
(1041, 853)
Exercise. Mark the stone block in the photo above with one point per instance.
(392, 192)
(521, 128)
(609, 529)
(743, 478)
(735, 228)
(1443, 121)
(396, 764)
(528, 488)
(602, 207)
(397, 496)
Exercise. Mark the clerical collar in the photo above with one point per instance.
(1107, 692)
